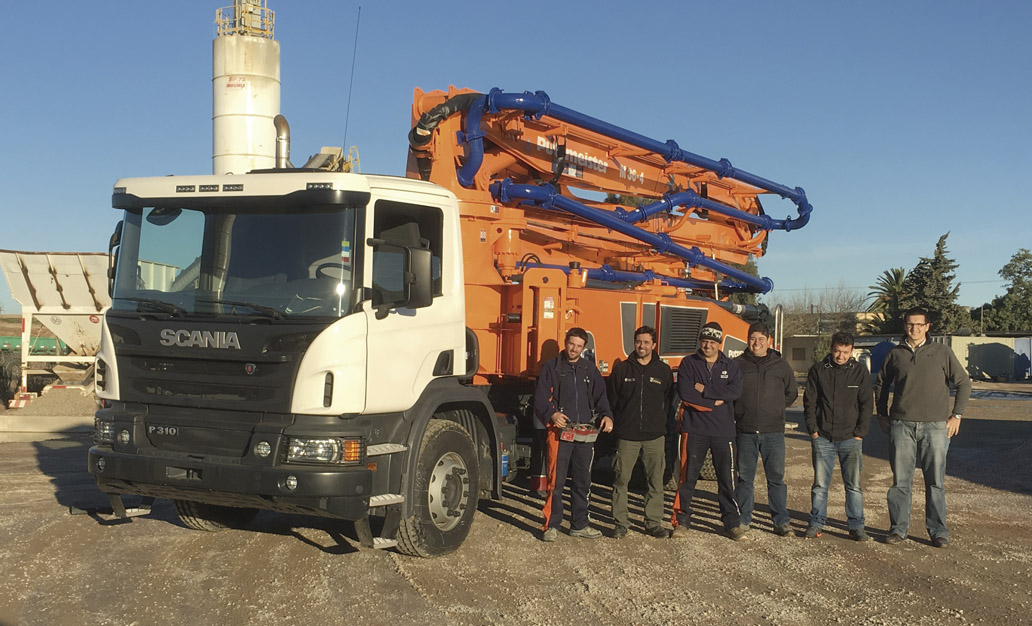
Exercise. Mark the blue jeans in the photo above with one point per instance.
(850, 454)
(921, 444)
(771, 447)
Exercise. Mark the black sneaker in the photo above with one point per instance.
(658, 532)
(858, 534)
(812, 533)
(941, 542)
(784, 530)
(619, 532)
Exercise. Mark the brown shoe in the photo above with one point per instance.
(941, 542)
(893, 539)
(738, 533)
(680, 532)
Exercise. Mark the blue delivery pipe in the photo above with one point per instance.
(609, 275)
(538, 104)
(691, 199)
(545, 196)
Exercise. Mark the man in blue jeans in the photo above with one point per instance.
(768, 388)
(837, 407)
(920, 423)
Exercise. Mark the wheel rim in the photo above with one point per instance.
(448, 491)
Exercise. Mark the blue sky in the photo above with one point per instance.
(902, 120)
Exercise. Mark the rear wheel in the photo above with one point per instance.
(211, 517)
(446, 492)
(10, 375)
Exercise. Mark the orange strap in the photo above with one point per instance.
(552, 450)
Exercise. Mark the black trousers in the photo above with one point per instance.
(723, 451)
(573, 459)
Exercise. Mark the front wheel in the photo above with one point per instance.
(211, 517)
(446, 491)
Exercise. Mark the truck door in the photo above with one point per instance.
(407, 347)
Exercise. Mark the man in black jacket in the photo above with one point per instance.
(708, 383)
(768, 388)
(571, 394)
(641, 387)
(837, 405)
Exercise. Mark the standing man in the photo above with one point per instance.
(642, 385)
(837, 405)
(768, 388)
(708, 383)
(570, 394)
(920, 423)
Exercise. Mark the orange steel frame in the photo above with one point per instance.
(519, 314)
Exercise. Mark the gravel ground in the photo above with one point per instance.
(57, 568)
(62, 402)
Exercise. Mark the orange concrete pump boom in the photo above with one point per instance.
(524, 170)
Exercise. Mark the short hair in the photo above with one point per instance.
(646, 330)
(916, 310)
(842, 338)
(759, 327)
(578, 332)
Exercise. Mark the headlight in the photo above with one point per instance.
(103, 431)
(324, 450)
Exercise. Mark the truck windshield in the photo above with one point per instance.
(286, 264)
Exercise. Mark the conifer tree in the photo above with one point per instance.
(930, 286)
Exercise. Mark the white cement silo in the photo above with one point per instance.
(245, 88)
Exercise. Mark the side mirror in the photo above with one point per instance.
(402, 276)
(113, 243)
(419, 283)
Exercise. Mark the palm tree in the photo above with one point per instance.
(886, 294)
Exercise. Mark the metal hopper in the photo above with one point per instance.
(66, 292)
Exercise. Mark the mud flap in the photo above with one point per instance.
(117, 510)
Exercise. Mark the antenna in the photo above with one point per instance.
(354, 55)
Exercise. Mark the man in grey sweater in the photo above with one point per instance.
(920, 423)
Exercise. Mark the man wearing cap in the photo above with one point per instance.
(768, 388)
(570, 398)
(709, 383)
(920, 423)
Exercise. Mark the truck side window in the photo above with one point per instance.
(410, 225)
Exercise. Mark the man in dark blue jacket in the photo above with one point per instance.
(708, 383)
(570, 399)
(642, 386)
(768, 387)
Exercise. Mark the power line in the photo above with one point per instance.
(847, 287)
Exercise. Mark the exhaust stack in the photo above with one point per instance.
(282, 142)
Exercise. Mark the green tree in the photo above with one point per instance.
(1012, 312)
(885, 296)
(930, 286)
(749, 268)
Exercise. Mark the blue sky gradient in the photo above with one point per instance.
(902, 120)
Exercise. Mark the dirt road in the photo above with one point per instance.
(57, 568)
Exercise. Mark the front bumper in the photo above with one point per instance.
(341, 492)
